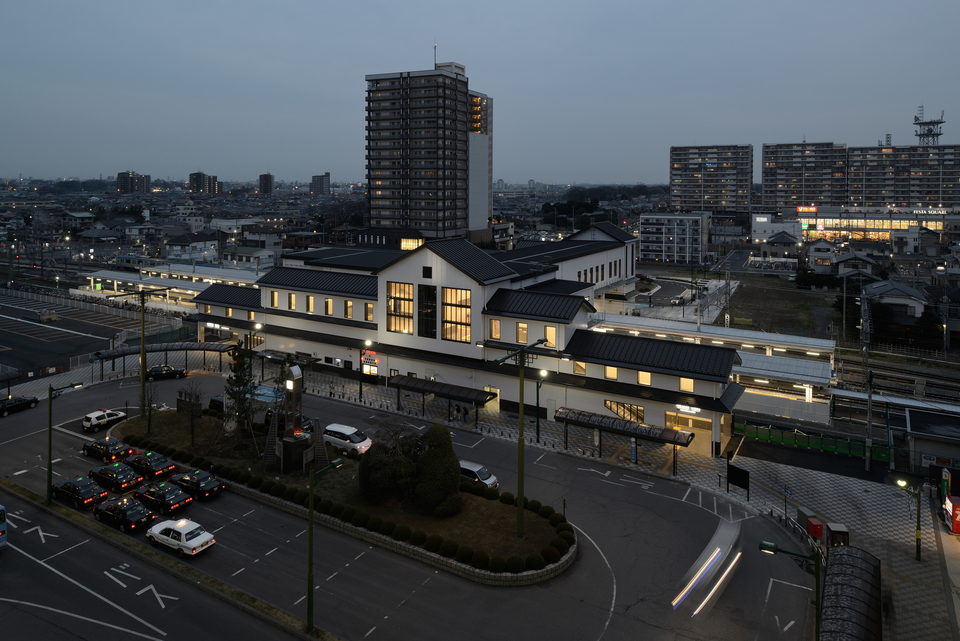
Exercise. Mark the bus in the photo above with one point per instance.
(3, 526)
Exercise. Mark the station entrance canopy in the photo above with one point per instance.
(617, 425)
(457, 393)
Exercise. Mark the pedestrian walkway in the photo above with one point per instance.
(922, 599)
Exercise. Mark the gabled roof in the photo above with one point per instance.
(608, 228)
(536, 305)
(782, 238)
(321, 282)
(705, 362)
(559, 286)
(855, 256)
(470, 259)
(192, 237)
(230, 296)
(543, 256)
(339, 257)
(892, 288)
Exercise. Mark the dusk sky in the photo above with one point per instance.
(583, 92)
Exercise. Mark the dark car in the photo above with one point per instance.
(126, 513)
(160, 372)
(150, 464)
(116, 477)
(107, 449)
(80, 492)
(163, 497)
(293, 420)
(199, 483)
(16, 403)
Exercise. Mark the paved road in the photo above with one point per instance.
(639, 538)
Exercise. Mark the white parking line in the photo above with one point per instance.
(270, 552)
(238, 572)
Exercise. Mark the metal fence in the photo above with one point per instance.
(168, 321)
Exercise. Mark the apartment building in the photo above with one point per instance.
(711, 178)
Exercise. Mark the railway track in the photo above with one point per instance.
(902, 380)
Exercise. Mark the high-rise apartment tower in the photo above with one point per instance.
(429, 152)
(130, 182)
(711, 177)
(266, 184)
(320, 185)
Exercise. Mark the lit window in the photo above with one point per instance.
(206, 309)
(309, 304)
(643, 378)
(228, 312)
(348, 309)
(368, 312)
(494, 329)
(250, 316)
(579, 367)
(328, 306)
(455, 315)
(291, 301)
(550, 333)
(610, 372)
(522, 333)
(274, 299)
(686, 384)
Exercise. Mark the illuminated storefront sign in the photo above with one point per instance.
(806, 210)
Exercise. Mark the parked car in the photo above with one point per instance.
(150, 464)
(116, 477)
(345, 438)
(477, 474)
(199, 483)
(126, 513)
(16, 403)
(184, 536)
(107, 449)
(160, 372)
(163, 497)
(101, 419)
(80, 491)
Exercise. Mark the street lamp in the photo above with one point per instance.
(543, 373)
(52, 393)
(363, 353)
(803, 560)
(250, 334)
(903, 486)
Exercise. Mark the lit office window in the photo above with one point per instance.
(455, 315)
(579, 367)
(686, 384)
(609, 372)
(522, 333)
(494, 329)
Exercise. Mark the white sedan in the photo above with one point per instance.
(185, 536)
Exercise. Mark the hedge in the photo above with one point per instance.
(244, 478)
(491, 494)
(464, 554)
(291, 492)
(550, 554)
(336, 510)
(479, 489)
(266, 485)
(535, 562)
(449, 548)
(374, 523)
(556, 519)
(387, 528)
(466, 487)
(568, 537)
(326, 506)
(348, 514)
(433, 543)
(480, 560)
(234, 475)
(401, 533)
(360, 519)
(516, 565)
(278, 490)
(507, 498)
(560, 544)
(300, 497)
(546, 511)
(564, 527)
(534, 506)
(419, 537)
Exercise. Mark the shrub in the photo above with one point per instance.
(433, 543)
(550, 554)
(535, 562)
(267, 485)
(336, 510)
(201, 463)
(387, 528)
(168, 451)
(180, 455)
(498, 564)
(449, 548)
(464, 554)
(300, 497)
(132, 440)
(401, 533)
(466, 487)
(546, 511)
(507, 498)
(291, 492)
(560, 545)
(556, 519)
(438, 471)
(516, 565)
(353, 454)
(526, 502)
(491, 494)
(278, 490)
(478, 489)
(325, 507)
(234, 475)
(534, 506)
(223, 471)
(374, 523)
(568, 537)
(564, 527)
(419, 537)
(243, 478)
(255, 482)
(360, 519)
(450, 506)
(348, 514)
(480, 560)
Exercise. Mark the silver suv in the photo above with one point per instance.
(477, 474)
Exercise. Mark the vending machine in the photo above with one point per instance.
(951, 514)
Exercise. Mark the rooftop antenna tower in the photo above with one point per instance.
(889, 140)
(928, 131)
(434, 53)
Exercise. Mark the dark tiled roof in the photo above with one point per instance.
(470, 259)
(705, 362)
(322, 282)
(781, 238)
(610, 230)
(536, 305)
(349, 257)
(558, 286)
(542, 256)
(230, 296)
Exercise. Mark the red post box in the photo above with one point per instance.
(815, 527)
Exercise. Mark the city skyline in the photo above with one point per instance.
(236, 92)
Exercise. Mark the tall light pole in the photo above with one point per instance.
(250, 335)
(816, 558)
(363, 352)
(543, 373)
(903, 486)
(52, 393)
(142, 295)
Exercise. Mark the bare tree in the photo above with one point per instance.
(192, 405)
